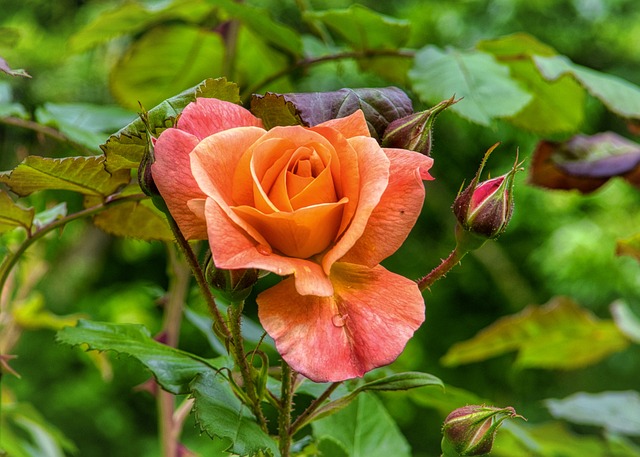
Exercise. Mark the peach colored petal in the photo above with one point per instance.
(172, 175)
(302, 233)
(373, 166)
(399, 208)
(364, 325)
(232, 248)
(207, 116)
(349, 126)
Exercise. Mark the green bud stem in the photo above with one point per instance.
(286, 402)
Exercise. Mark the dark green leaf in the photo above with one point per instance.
(85, 175)
(620, 96)
(363, 28)
(380, 106)
(173, 369)
(13, 215)
(364, 428)
(189, 54)
(486, 87)
(221, 414)
(558, 335)
(274, 110)
(616, 412)
(556, 106)
(125, 148)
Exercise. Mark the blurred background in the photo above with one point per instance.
(559, 243)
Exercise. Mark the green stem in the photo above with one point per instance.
(307, 62)
(441, 270)
(301, 420)
(10, 261)
(286, 401)
(240, 357)
(44, 130)
(219, 325)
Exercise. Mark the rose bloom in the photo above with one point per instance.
(322, 206)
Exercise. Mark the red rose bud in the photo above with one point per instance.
(485, 208)
(470, 430)
(413, 132)
(233, 285)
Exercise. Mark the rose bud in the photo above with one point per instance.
(413, 132)
(470, 430)
(233, 285)
(146, 182)
(485, 208)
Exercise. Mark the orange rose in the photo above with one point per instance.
(321, 205)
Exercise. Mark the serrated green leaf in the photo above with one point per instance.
(221, 414)
(626, 320)
(616, 412)
(486, 87)
(84, 123)
(13, 215)
(556, 106)
(173, 369)
(274, 110)
(131, 18)
(189, 54)
(558, 335)
(139, 219)
(85, 175)
(364, 428)
(380, 106)
(364, 28)
(125, 148)
(618, 95)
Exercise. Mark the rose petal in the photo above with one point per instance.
(302, 233)
(398, 210)
(366, 324)
(349, 126)
(373, 166)
(172, 175)
(232, 248)
(207, 116)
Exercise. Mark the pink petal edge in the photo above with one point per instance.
(207, 116)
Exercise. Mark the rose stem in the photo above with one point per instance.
(235, 320)
(219, 325)
(441, 270)
(286, 400)
(315, 404)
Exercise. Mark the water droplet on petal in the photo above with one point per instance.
(339, 320)
(263, 249)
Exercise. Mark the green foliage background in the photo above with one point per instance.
(558, 243)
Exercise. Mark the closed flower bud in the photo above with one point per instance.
(146, 182)
(232, 285)
(413, 132)
(471, 430)
(485, 208)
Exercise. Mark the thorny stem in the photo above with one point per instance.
(219, 325)
(315, 404)
(170, 427)
(10, 261)
(240, 357)
(307, 62)
(286, 402)
(441, 270)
